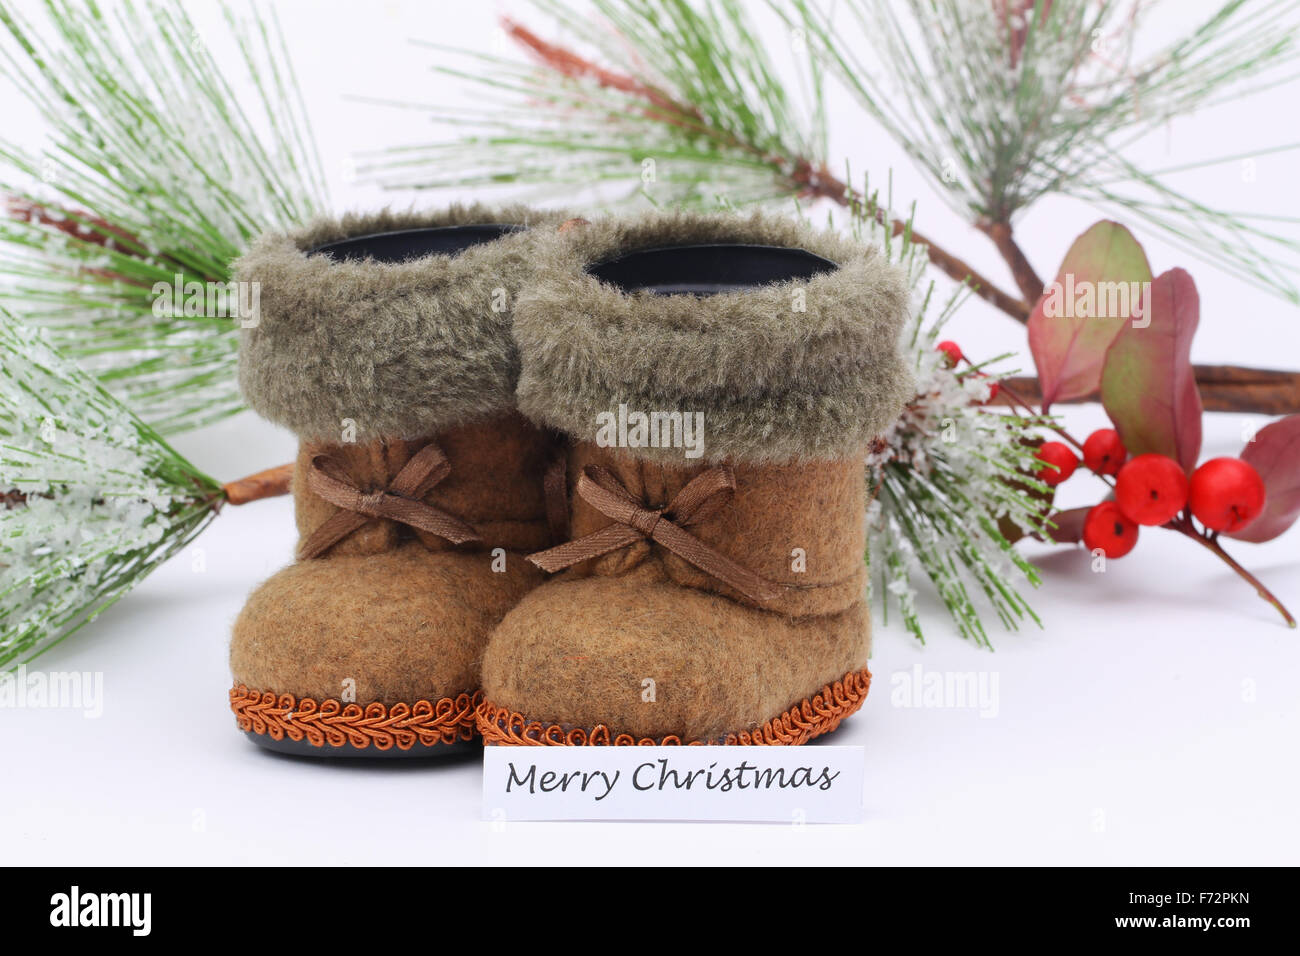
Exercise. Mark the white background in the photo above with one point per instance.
(1153, 719)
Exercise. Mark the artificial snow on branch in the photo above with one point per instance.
(91, 498)
(952, 478)
(162, 163)
(1003, 102)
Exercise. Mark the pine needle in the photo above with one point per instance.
(947, 473)
(1005, 102)
(155, 170)
(692, 112)
(91, 498)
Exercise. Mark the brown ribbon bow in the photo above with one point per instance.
(703, 496)
(400, 501)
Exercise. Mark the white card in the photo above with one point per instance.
(741, 784)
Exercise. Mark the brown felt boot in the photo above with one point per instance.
(713, 587)
(383, 342)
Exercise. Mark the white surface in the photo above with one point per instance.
(1154, 720)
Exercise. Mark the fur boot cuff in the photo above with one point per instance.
(400, 347)
(806, 367)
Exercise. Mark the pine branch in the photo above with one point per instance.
(1012, 100)
(127, 197)
(824, 185)
(951, 478)
(92, 499)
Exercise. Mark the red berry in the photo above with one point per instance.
(1054, 453)
(994, 389)
(1107, 530)
(1103, 452)
(952, 350)
(1226, 494)
(1151, 489)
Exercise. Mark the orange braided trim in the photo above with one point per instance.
(332, 723)
(811, 717)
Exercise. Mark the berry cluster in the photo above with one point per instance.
(1223, 494)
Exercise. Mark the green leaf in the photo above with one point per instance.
(1147, 384)
(1095, 293)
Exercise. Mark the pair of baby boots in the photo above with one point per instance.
(566, 482)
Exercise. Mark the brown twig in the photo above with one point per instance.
(823, 184)
(570, 64)
(1223, 388)
(79, 225)
(265, 484)
(1183, 524)
(1027, 280)
(12, 498)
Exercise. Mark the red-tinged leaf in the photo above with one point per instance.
(1098, 289)
(1275, 453)
(1069, 526)
(1147, 384)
